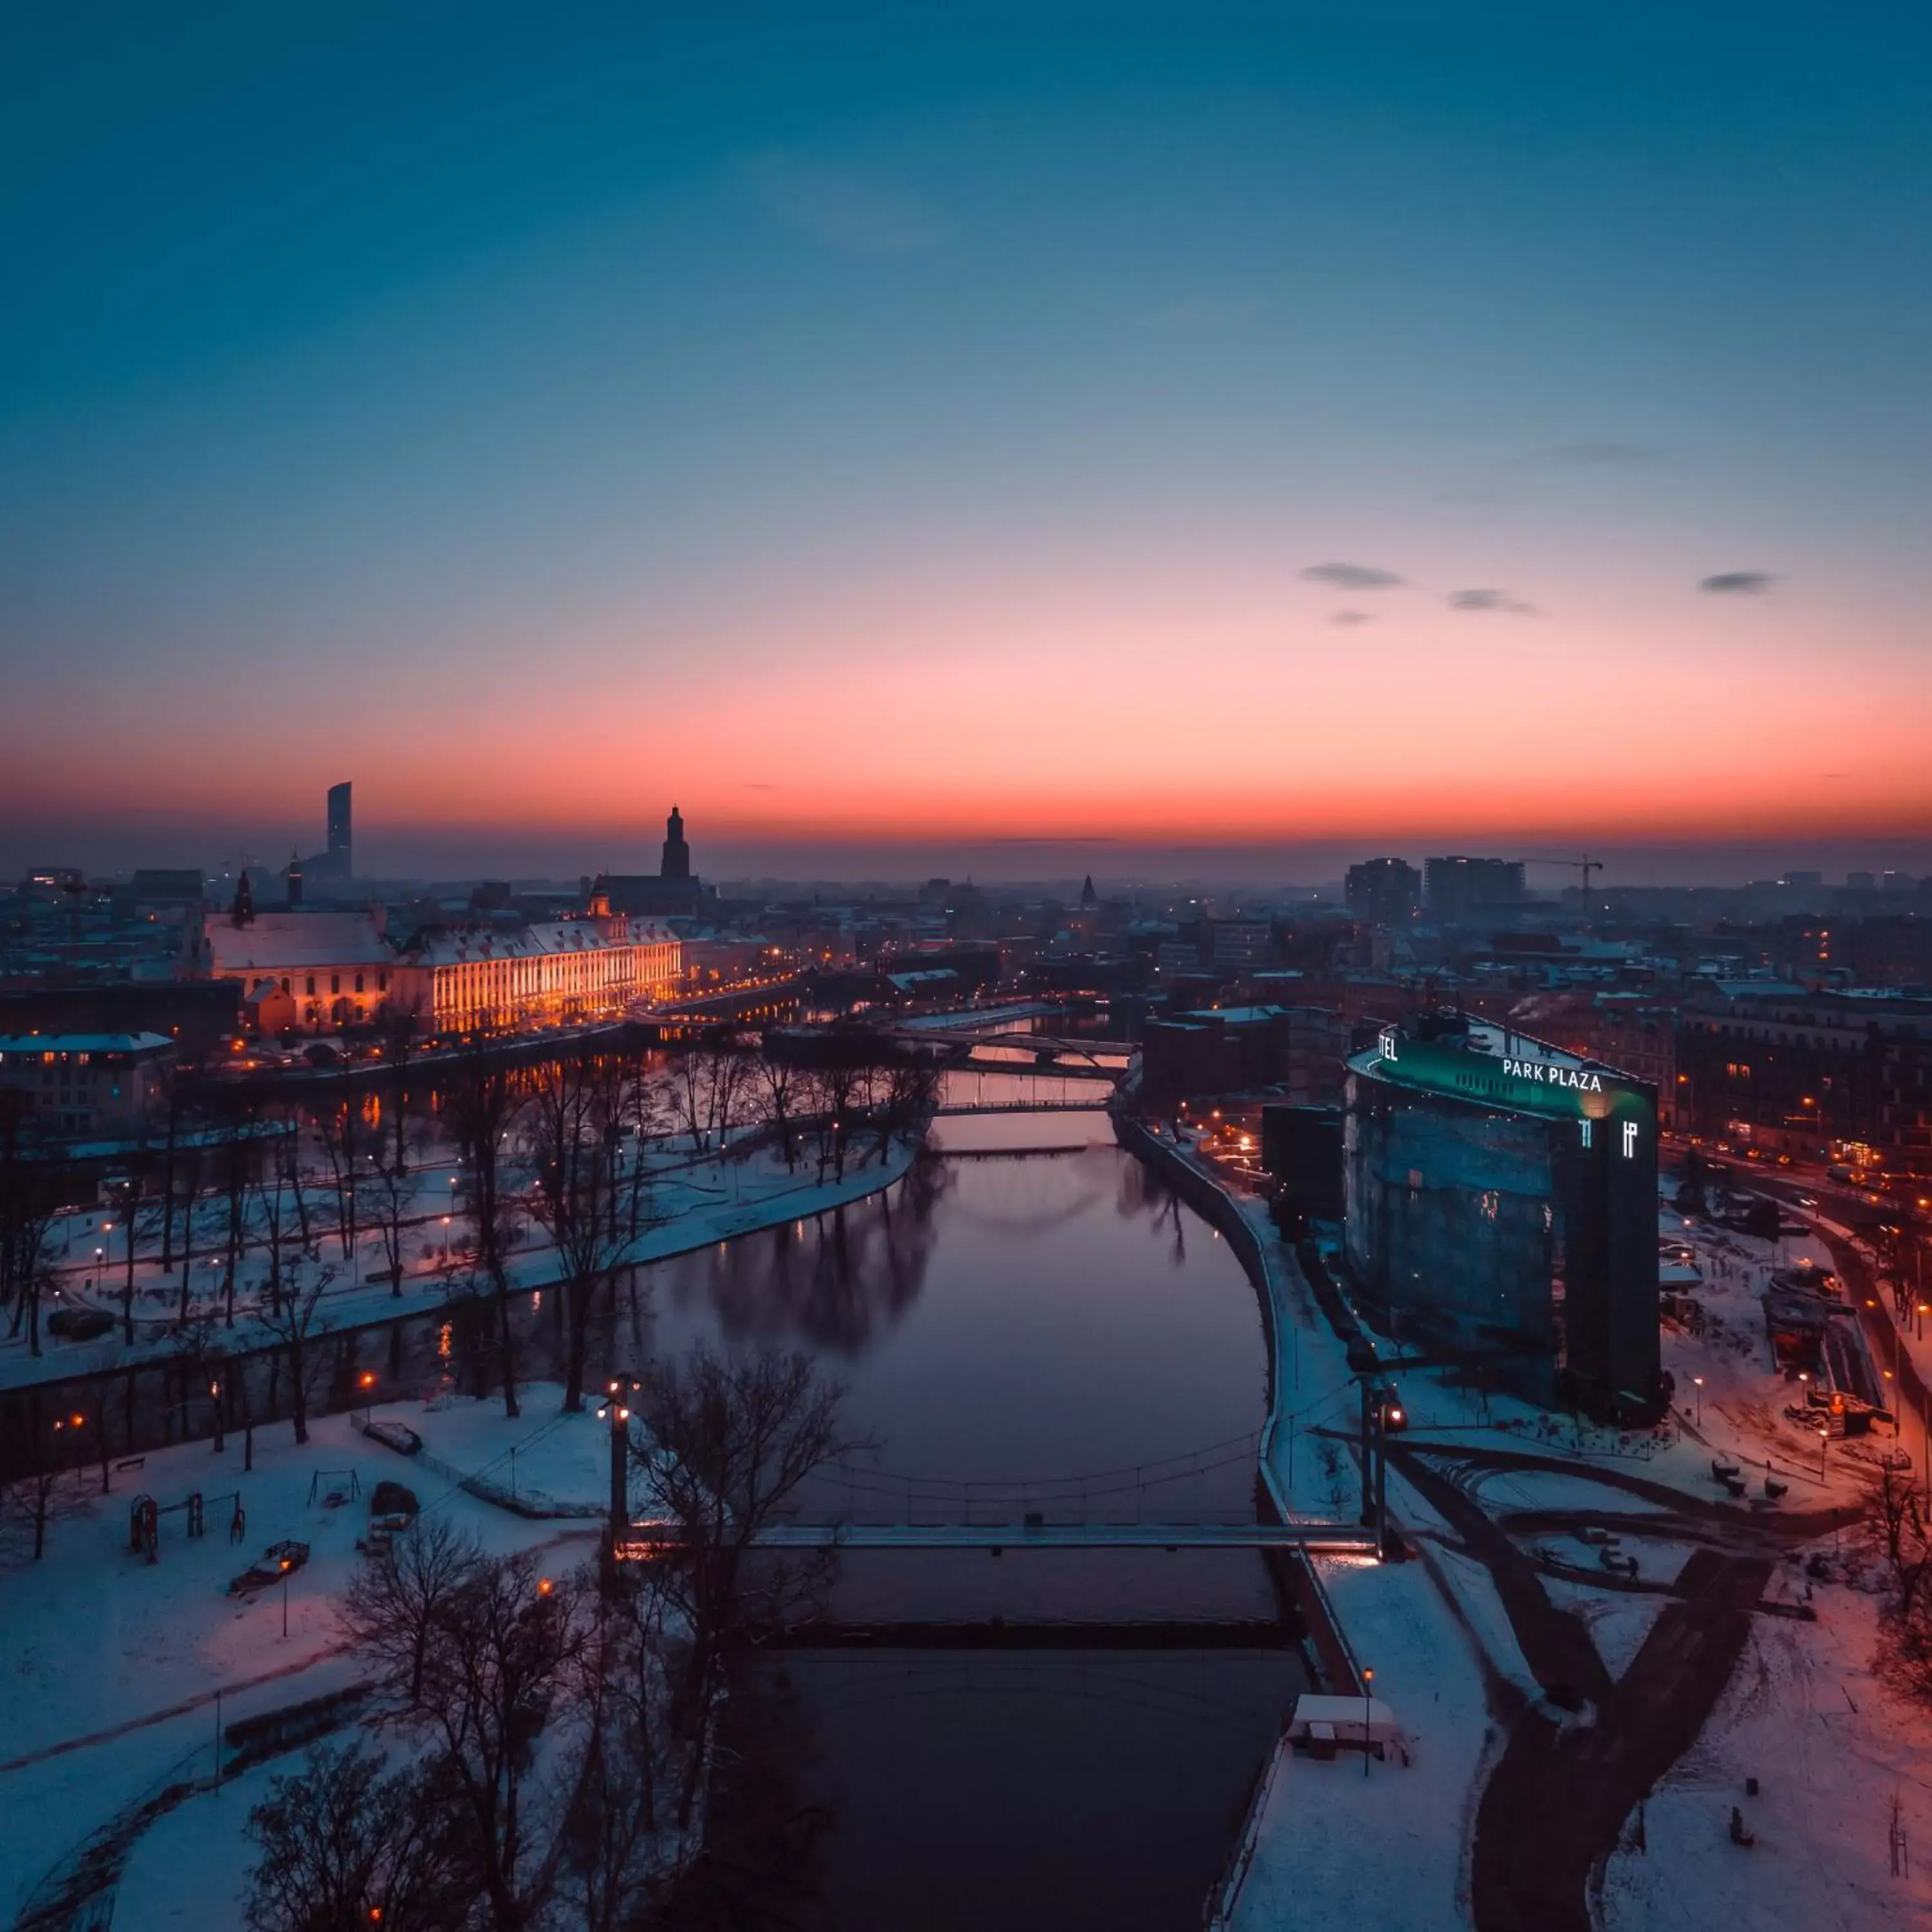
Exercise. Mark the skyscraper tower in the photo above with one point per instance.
(677, 861)
(341, 857)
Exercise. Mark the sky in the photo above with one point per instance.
(907, 431)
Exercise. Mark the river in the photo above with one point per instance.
(1029, 1324)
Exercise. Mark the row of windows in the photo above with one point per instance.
(335, 983)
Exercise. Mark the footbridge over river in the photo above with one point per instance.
(1126, 1508)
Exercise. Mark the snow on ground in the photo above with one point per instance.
(695, 1203)
(1386, 1850)
(1830, 1744)
(1830, 1747)
(191, 1868)
(113, 1663)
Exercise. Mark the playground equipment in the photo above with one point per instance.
(145, 1514)
(335, 1487)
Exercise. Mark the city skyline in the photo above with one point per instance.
(890, 440)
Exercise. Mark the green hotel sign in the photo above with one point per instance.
(1526, 1080)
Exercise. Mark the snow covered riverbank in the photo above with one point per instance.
(696, 1203)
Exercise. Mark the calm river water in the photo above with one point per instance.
(1026, 1324)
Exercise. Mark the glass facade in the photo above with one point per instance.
(1523, 1236)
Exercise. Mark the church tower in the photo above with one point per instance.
(677, 861)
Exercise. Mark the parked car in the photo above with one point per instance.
(79, 1324)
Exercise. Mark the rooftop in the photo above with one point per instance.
(83, 1042)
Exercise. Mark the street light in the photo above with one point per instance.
(1368, 1686)
(365, 1381)
(1824, 1443)
(1699, 1381)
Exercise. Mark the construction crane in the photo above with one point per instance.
(1586, 866)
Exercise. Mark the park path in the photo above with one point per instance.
(1555, 1805)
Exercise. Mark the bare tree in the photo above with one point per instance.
(403, 1021)
(565, 1123)
(395, 1191)
(32, 1193)
(1895, 1516)
(126, 1198)
(44, 1487)
(344, 1847)
(903, 1101)
(617, 1860)
(339, 1130)
(173, 1118)
(780, 1086)
(239, 1113)
(690, 1104)
(502, 1664)
(394, 1607)
(842, 1089)
(481, 1103)
(296, 1321)
(187, 1169)
(731, 1440)
(649, 1113)
(198, 1345)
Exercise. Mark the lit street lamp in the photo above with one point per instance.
(1368, 1686)
(1699, 1382)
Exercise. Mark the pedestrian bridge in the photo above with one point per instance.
(1340, 1538)
(1079, 1103)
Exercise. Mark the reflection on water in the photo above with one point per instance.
(1016, 1331)
(1019, 1330)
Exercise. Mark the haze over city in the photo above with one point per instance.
(965, 969)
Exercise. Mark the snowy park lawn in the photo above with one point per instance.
(1831, 1747)
(101, 1645)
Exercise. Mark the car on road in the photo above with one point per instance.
(1807, 1200)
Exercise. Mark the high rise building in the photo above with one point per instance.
(1459, 889)
(1501, 1207)
(341, 855)
(1384, 891)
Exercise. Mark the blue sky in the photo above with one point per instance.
(539, 416)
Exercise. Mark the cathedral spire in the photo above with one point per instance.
(677, 861)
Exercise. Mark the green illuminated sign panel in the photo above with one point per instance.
(1524, 1080)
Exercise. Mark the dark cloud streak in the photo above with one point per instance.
(1351, 576)
(1490, 600)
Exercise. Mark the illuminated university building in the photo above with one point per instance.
(537, 975)
(314, 971)
(1501, 1204)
